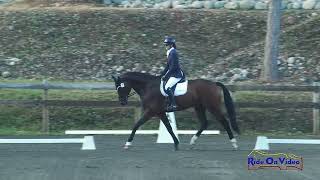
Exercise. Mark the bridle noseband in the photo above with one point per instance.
(130, 94)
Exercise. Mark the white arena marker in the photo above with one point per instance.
(164, 136)
(262, 143)
(87, 141)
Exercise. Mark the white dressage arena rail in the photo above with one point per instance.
(87, 142)
(263, 142)
(163, 135)
(120, 132)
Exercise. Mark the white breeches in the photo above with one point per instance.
(171, 82)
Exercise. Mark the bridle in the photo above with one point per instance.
(130, 94)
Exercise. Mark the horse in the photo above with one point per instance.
(203, 95)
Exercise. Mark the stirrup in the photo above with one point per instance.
(171, 108)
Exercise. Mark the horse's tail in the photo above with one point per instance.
(230, 107)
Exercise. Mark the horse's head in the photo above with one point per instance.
(123, 88)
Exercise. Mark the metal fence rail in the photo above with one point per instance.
(46, 86)
(110, 86)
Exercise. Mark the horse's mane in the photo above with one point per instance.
(140, 77)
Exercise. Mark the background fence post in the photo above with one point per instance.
(315, 99)
(45, 111)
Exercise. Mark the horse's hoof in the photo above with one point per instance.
(234, 144)
(193, 140)
(235, 147)
(176, 147)
(126, 146)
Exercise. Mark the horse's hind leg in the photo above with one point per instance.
(226, 126)
(221, 118)
(201, 113)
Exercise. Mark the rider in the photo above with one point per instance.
(172, 73)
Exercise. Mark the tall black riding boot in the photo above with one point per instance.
(172, 105)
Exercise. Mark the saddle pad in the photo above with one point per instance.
(181, 89)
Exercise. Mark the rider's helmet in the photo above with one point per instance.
(168, 40)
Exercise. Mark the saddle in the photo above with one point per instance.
(179, 89)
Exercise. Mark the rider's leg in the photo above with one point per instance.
(171, 82)
(172, 106)
(168, 87)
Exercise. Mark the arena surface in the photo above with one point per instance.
(212, 158)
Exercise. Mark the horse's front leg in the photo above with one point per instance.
(145, 117)
(166, 122)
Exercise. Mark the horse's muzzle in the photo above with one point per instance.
(123, 101)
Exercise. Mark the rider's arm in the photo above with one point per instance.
(165, 70)
(173, 63)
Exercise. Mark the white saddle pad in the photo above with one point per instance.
(181, 89)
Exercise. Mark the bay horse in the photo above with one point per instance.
(201, 94)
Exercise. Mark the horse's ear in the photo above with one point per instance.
(114, 78)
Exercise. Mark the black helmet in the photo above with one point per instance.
(169, 40)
